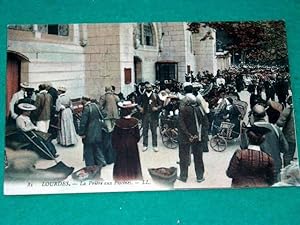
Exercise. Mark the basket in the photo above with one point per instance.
(164, 176)
(87, 173)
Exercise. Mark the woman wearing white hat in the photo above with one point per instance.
(23, 121)
(38, 140)
(66, 133)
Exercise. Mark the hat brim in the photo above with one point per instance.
(26, 107)
(163, 97)
(258, 130)
(127, 106)
(62, 89)
(24, 85)
(277, 106)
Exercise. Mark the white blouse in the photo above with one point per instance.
(25, 124)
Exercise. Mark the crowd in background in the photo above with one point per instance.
(109, 126)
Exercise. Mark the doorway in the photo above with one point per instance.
(12, 78)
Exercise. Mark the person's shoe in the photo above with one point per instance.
(145, 148)
(155, 149)
(56, 155)
(200, 180)
(182, 179)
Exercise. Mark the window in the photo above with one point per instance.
(148, 36)
(54, 29)
(21, 27)
(146, 33)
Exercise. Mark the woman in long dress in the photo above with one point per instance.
(125, 137)
(66, 133)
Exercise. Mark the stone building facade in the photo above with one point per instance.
(87, 57)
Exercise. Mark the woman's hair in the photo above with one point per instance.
(254, 138)
(125, 111)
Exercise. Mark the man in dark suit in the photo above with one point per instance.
(43, 105)
(90, 130)
(150, 107)
(191, 136)
(54, 117)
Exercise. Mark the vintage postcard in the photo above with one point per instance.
(147, 107)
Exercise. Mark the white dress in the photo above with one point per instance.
(67, 133)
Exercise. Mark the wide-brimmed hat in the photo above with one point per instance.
(26, 107)
(163, 95)
(197, 85)
(24, 85)
(126, 104)
(258, 130)
(275, 105)
(64, 89)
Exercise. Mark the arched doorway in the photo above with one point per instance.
(13, 75)
(137, 69)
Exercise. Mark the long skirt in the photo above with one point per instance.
(66, 133)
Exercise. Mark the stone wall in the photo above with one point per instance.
(173, 46)
(189, 50)
(53, 58)
(126, 57)
(149, 55)
(205, 50)
(102, 58)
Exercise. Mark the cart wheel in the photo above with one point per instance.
(169, 138)
(218, 143)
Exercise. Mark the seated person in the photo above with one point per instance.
(23, 121)
(40, 142)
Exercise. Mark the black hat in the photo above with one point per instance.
(258, 130)
(256, 135)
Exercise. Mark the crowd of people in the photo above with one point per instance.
(110, 126)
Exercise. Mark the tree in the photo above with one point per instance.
(256, 42)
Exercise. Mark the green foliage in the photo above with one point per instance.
(256, 42)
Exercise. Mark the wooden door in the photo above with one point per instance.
(12, 79)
